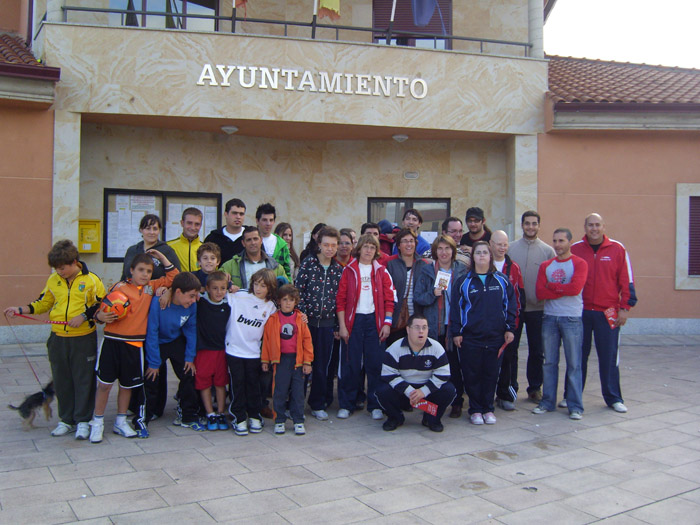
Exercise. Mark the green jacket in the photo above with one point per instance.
(281, 254)
(235, 267)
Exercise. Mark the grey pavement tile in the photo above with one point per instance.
(471, 509)
(607, 501)
(406, 456)
(659, 485)
(38, 514)
(27, 477)
(602, 434)
(21, 447)
(674, 455)
(145, 479)
(182, 458)
(404, 437)
(56, 492)
(524, 495)
(689, 471)
(630, 467)
(469, 483)
(200, 490)
(267, 519)
(91, 469)
(236, 447)
(673, 510)
(461, 445)
(508, 437)
(96, 521)
(403, 498)
(157, 443)
(277, 478)
(554, 512)
(501, 455)
(400, 518)
(34, 460)
(394, 477)
(529, 470)
(341, 511)
(340, 450)
(244, 506)
(119, 503)
(693, 495)
(575, 459)
(621, 519)
(620, 448)
(191, 513)
(105, 450)
(580, 480)
(344, 467)
(323, 491)
(214, 469)
(276, 460)
(453, 465)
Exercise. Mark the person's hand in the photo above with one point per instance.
(509, 336)
(305, 318)
(457, 341)
(189, 367)
(306, 369)
(384, 332)
(165, 299)
(160, 291)
(344, 334)
(151, 373)
(415, 396)
(437, 291)
(265, 367)
(336, 336)
(621, 318)
(105, 317)
(233, 288)
(11, 311)
(76, 321)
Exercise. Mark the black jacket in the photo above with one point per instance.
(228, 247)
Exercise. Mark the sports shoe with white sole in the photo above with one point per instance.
(562, 404)
(576, 416)
(61, 429)
(489, 418)
(321, 415)
(377, 414)
(241, 429)
(255, 425)
(619, 407)
(539, 409)
(279, 428)
(343, 413)
(124, 429)
(299, 429)
(83, 431)
(97, 427)
(194, 425)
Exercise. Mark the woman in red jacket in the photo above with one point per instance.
(365, 306)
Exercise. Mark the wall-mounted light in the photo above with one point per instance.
(400, 138)
(410, 175)
(229, 130)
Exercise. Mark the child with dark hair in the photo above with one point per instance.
(287, 347)
(172, 335)
(208, 258)
(72, 296)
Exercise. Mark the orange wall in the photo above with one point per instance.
(11, 16)
(26, 150)
(630, 179)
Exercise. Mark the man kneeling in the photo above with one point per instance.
(415, 369)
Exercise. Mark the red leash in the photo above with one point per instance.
(21, 346)
(39, 320)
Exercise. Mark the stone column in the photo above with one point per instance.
(521, 169)
(66, 175)
(536, 28)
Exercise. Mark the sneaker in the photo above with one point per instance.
(194, 425)
(299, 429)
(535, 396)
(61, 429)
(177, 421)
(279, 428)
(142, 433)
(391, 424)
(619, 407)
(256, 425)
(343, 413)
(377, 414)
(434, 426)
(576, 416)
(222, 423)
(97, 427)
(321, 415)
(562, 404)
(124, 429)
(505, 405)
(178, 413)
(489, 418)
(83, 431)
(539, 409)
(241, 429)
(456, 412)
(212, 423)
(476, 419)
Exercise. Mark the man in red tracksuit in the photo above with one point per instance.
(609, 286)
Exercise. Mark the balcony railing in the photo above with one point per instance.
(382, 36)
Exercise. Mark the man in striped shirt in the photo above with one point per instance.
(415, 368)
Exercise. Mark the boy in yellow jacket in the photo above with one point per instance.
(72, 296)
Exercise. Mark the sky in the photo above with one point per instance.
(658, 32)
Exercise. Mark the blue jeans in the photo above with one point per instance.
(595, 325)
(535, 353)
(569, 330)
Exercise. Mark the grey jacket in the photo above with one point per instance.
(434, 307)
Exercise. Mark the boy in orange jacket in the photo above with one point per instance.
(287, 346)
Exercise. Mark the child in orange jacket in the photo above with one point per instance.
(287, 346)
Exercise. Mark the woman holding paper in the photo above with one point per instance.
(482, 322)
(434, 283)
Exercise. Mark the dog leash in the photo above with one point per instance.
(39, 320)
(21, 346)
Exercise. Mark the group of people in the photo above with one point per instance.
(401, 322)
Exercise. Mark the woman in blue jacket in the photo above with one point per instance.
(482, 322)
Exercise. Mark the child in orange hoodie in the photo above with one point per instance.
(287, 346)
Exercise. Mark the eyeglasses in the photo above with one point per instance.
(408, 241)
(455, 231)
(345, 243)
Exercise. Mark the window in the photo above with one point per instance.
(175, 19)
(694, 236)
(404, 26)
(434, 211)
(687, 236)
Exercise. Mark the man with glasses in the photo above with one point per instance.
(452, 227)
(476, 224)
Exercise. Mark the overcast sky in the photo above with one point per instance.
(643, 31)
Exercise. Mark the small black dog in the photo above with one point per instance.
(31, 404)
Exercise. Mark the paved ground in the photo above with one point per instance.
(639, 467)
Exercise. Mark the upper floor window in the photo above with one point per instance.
(172, 14)
(404, 27)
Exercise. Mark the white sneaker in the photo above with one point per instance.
(279, 428)
(97, 427)
(377, 414)
(299, 429)
(61, 429)
(619, 407)
(256, 425)
(83, 431)
(124, 429)
(562, 404)
(241, 429)
(576, 416)
(343, 413)
(321, 415)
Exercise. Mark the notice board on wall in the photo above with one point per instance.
(124, 209)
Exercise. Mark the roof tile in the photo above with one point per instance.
(13, 50)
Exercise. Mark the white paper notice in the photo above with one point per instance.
(210, 215)
(113, 234)
(143, 202)
(122, 202)
(429, 236)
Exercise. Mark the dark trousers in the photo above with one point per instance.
(365, 348)
(535, 351)
(595, 325)
(455, 369)
(507, 388)
(246, 400)
(152, 391)
(480, 367)
(288, 383)
(394, 403)
(73, 369)
(322, 339)
(158, 406)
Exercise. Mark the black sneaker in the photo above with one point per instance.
(435, 427)
(391, 424)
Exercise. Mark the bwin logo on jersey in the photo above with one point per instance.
(255, 323)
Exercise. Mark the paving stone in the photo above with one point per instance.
(112, 483)
(469, 483)
(244, 506)
(211, 470)
(674, 455)
(690, 471)
(276, 460)
(454, 465)
(348, 510)
(119, 503)
(38, 513)
(400, 518)
(673, 510)
(344, 467)
(580, 480)
(523, 471)
(340, 450)
(658, 485)
(91, 469)
(524, 495)
(27, 477)
(403, 498)
(185, 458)
(273, 479)
(56, 492)
(34, 460)
(463, 445)
(471, 509)
(406, 456)
(323, 491)
(191, 513)
(200, 490)
(607, 501)
(554, 512)
(577, 459)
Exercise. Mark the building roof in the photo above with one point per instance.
(580, 81)
(17, 60)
